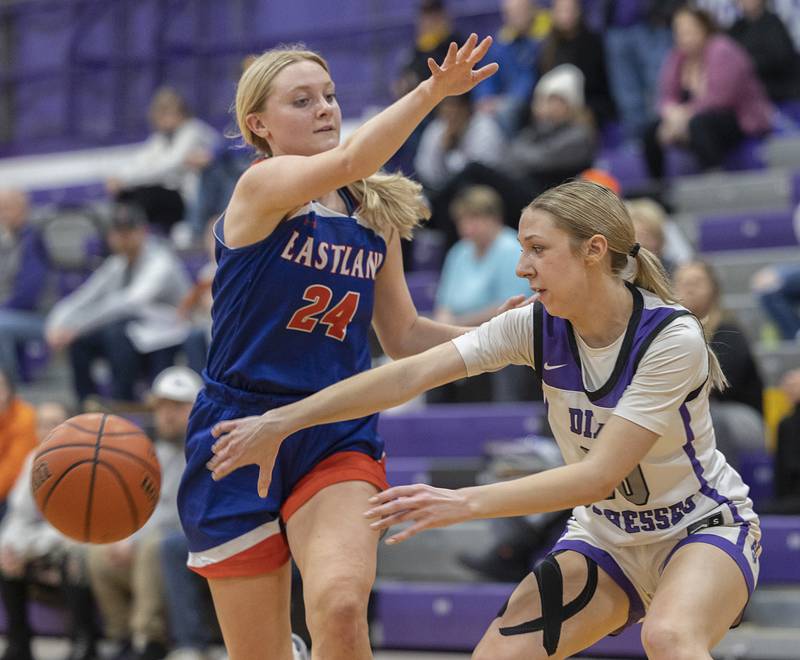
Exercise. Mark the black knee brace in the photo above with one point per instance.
(554, 612)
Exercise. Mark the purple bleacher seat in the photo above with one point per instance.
(428, 251)
(790, 110)
(457, 429)
(32, 357)
(422, 287)
(69, 195)
(739, 231)
(441, 616)
(745, 156)
(796, 187)
(780, 540)
(454, 616)
(45, 619)
(627, 164)
(194, 261)
(756, 468)
(401, 471)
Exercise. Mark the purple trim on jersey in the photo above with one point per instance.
(612, 568)
(735, 552)
(561, 368)
(705, 489)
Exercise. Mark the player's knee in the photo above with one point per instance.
(666, 639)
(339, 602)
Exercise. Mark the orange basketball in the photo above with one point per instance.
(96, 478)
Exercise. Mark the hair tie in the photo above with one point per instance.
(634, 250)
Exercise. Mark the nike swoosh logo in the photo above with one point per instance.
(548, 367)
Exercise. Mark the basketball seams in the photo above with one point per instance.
(83, 429)
(134, 511)
(61, 477)
(127, 453)
(88, 521)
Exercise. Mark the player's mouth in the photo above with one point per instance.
(325, 129)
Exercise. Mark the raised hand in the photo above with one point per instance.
(515, 302)
(456, 74)
(425, 506)
(245, 441)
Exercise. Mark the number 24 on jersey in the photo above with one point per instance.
(319, 311)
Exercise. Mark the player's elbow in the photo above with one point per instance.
(600, 481)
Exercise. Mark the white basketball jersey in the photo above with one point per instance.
(659, 380)
(683, 477)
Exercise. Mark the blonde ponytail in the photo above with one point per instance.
(390, 202)
(650, 275)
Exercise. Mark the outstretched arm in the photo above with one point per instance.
(622, 445)
(256, 440)
(277, 185)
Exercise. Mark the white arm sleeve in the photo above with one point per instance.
(674, 365)
(505, 339)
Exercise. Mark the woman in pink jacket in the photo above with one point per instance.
(709, 98)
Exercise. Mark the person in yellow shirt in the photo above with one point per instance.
(17, 436)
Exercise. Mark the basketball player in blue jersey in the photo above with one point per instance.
(308, 255)
(661, 524)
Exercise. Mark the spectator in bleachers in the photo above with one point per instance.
(787, 454)
(196, 307)
(764, 36)
(24, 267)
(17, 436)
(434, 32)
(163, 175)
(650, 224)
(126, 576)
(560, 141)
(188, 600)
(637, 39)
(506, 94)
(736, 410)
(457, 137)
(571, 42)
(710, 98)
(478, 276)
(778, 291)
(126, 312)
(33, 554)
(558, 144)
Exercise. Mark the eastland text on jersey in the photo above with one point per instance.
(336, 259)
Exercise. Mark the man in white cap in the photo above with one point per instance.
(126, 576)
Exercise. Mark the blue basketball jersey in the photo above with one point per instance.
(291, 313)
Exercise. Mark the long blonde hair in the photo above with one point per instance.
(583, 209)
(386, 202)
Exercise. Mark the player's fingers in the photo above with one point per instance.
(387, 509)
(467, 47)
(435, 70)
(264, 479)
(394, 519)
(407, 533)
(479, 51)
(223, 427)
(452, 52)
(223, 469)
(395, 492)
(484, 72)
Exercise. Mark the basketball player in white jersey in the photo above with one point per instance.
(662, 527)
